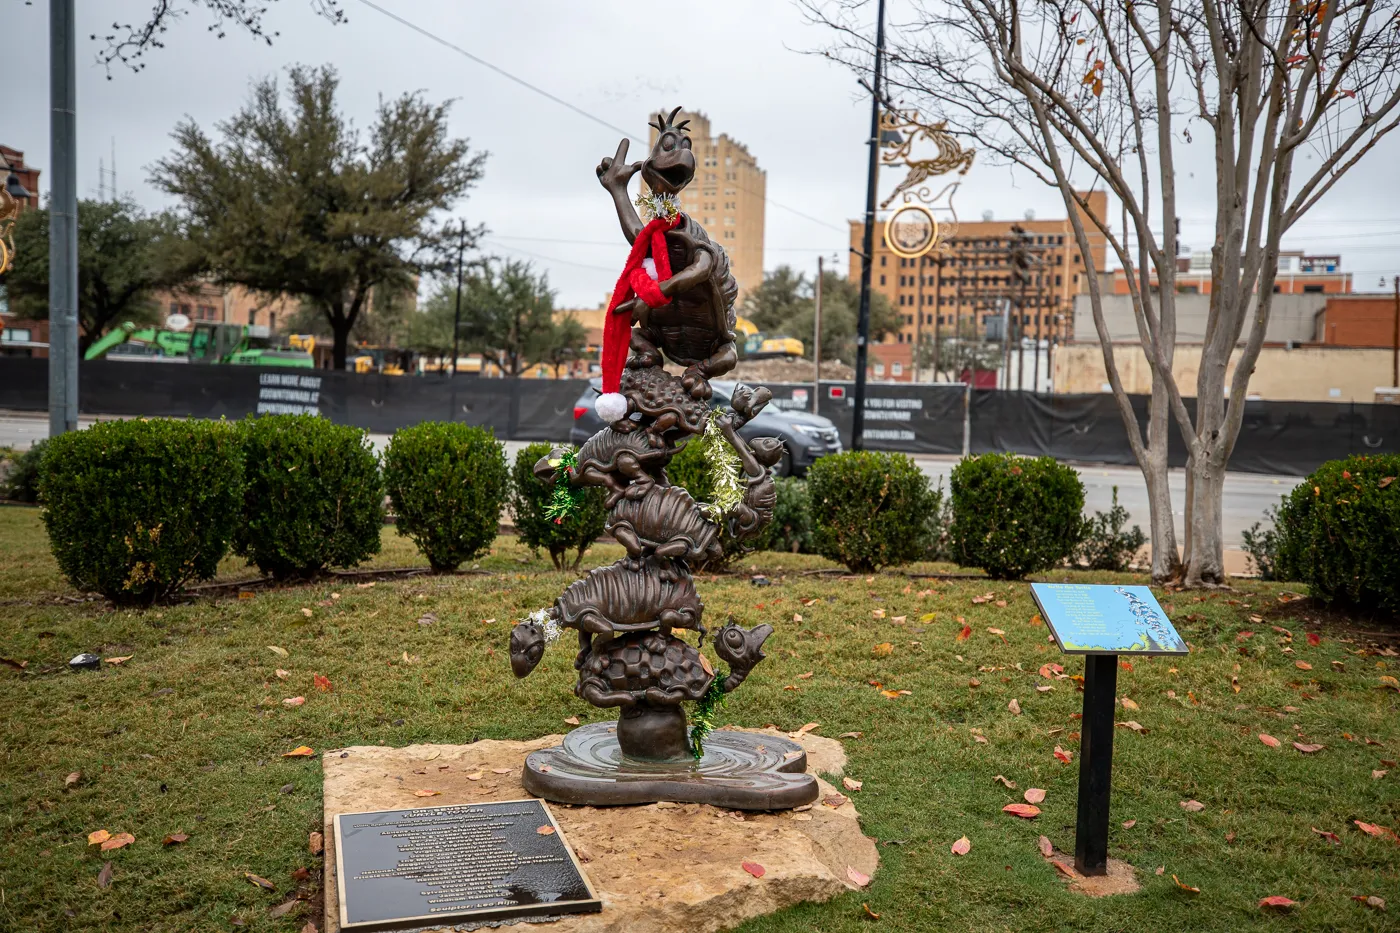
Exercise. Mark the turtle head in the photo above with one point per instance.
(767, 450)
(739, 648)
(547, 467)
(671, 164)
(527, 643)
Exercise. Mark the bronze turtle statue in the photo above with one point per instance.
(662, 400)
(660, 669)
(665, 522)
(626, 463)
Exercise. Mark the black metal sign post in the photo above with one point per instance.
(1101, 621)
(1095, 764)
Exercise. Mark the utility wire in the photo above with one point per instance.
(564, 103)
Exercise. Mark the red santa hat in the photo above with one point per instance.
(648, 264)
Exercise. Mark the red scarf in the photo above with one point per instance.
(635, 282)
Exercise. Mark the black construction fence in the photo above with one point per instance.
(1286, 438)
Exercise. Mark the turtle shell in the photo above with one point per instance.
(635, 663)
(600, 451)
(655, 392)
(664, 514)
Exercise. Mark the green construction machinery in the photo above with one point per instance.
(202, 342)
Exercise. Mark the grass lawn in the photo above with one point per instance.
(187, 737)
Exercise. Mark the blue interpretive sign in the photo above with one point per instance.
(1091, 618)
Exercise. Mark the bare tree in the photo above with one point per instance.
(1099, 95)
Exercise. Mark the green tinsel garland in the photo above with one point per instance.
(726, 473)
(706, 713)
(564, 498)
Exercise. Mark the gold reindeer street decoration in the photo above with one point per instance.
(951, 155)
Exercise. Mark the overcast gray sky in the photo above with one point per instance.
(739, 61)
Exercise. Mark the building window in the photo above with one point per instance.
(1312, 289)
(896, 369)
(882, 278)
(14, 335)
(879, 369)
(882, 262)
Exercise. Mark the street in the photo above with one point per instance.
(1247, 495)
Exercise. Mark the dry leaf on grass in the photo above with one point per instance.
(1185, 887)
(965, 634)
(301, 751)
(806, 676)
(1008, 784)
(294, 701)
(1063, 755)
(868, 912)
(1129, 704)
(1024, 810)
(1192, 806)
(805, 729)
(315, 843)
(571, 720)
(1269, 740)
(279, 651)
(852, 783)
(1308, 748)
(321, 683)
(1330, 837)
(73, 778)
(259, 881)
(282, 675)
(882, 650)
(1277, 902)
(1034, 795)
(1015, 707)
(175, 839)
(1129, 824)
(121, 660)
(98, 836)
(1370, 900)
(962, 846)
(1302, 665)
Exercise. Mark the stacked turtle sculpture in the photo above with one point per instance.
(631, 617)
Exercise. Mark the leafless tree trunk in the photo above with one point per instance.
(1098, 96)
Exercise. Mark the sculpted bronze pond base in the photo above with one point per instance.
(631, 617)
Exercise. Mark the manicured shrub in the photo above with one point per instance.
(1015, 515)
(1338, 532)
(1107, 545)
(530, 495)
(19, 481)
(312, 495)
(1262, 545)
(447, 483)
(791, 528)
(137, 509)
(870, 510)
(689, 469)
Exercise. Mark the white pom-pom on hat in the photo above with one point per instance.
(611, 406)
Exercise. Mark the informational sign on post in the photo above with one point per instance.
(1101, 621)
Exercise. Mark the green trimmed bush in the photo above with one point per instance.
(137, 509)
(791, 528)
(1108, 544)
(1015, 515)
(1339, 532)
(529, 496)
(689, 469)
(312, 495)
(870, 510)
(20, 483)
(447, 483)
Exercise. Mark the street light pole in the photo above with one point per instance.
(457, 311)
(817, 341)
(63, 221)
(868, 240)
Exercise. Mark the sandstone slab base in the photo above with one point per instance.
(658, 868)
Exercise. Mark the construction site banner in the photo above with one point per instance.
(1284, 438)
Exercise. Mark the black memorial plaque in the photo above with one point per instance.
(441, 865)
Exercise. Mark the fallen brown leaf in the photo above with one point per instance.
(1034, 795)
(121, 660)
(1277, 902)
(1269, 740)
(315, 843)
(852, 783)
(883, 650)
(1129, 824)
(301, 751)
(1046, 849)
(1015, 707)
(868, 912)
(962, 846)
(835, 800)
(1024, 810)
(1129, 704)
(294, 701)
(1308, 748)
(1370, 900)
(571, 720)
(1192, 806)
(1063, 755)
(104, 877)
(73, 778)
(174, 839)
(259, 881)
(1185, 887)
(98, 836)
(1001, 779)
(545, 830)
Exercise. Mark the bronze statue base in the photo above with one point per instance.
(740, 771)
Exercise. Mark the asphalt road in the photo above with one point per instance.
(1247, 495)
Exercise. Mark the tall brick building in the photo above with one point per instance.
(970, 283)
(726, 196)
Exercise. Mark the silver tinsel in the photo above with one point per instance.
(654, 205)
